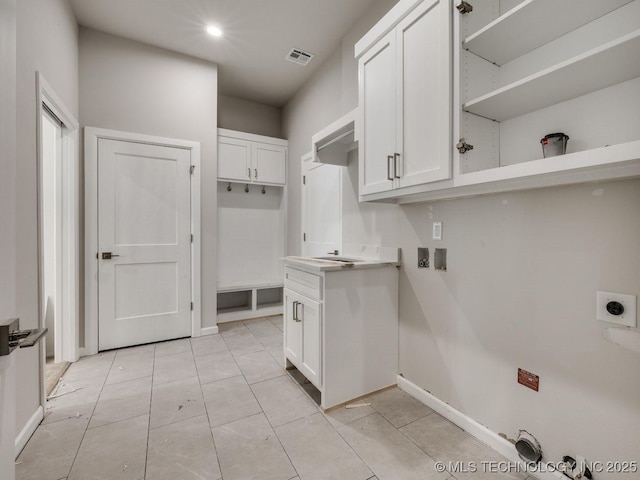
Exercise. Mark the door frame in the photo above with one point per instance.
(67, 338)
(91, 137)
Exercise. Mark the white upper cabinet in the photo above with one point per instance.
(405, 98)
(377, 70)
(234, 159)
(269, 163)
(518, 74)
(248, 158)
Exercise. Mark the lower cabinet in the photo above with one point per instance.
(341, 329)
(303, 335)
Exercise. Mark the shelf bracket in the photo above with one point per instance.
(464, 7)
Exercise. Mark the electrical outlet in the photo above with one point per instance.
(616, 308)
(437, 230)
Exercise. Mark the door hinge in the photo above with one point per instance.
(304, 179)
(464, 7)
(98, 255)
(191, 169)
(463, 146)
(192, 238)
(304, 237)
(192, 306)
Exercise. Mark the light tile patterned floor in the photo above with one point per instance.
(223, 407)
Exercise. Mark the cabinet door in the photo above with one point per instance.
(424, 94)
(377, 92)
(269, 164)
(234, 159)
(292, 328)
(309, 313)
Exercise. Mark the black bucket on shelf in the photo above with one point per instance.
(554, 144)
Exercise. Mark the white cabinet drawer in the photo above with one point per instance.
(304, 283)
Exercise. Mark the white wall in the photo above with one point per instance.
(47, 41)
(523, 269)
(7, 232)
(130, 86)
(250, 227)
(247, 116)
(330, 93)
(7, 157)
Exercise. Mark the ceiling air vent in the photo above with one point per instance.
(296, 55)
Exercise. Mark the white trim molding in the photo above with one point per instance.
(503, 446)
(67, 339)
(209, 331)
(28, 430)
(91, 137)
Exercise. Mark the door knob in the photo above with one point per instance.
(108, 255)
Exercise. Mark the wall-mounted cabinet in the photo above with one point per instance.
(568, 69)
(248, 158)
(405, 98)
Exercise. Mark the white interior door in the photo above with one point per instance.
(52, 233)
(322, 209)
(144, 291)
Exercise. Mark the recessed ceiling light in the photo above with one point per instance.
(215, 31)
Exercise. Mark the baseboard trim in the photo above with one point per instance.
(209, 331)
(472, 427)
(24, 436)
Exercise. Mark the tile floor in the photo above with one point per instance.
(223, 407)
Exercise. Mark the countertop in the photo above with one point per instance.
(312, 264)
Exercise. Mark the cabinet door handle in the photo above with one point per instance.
(389, 159)
(249, 172)
(256, 173)
(296, 318)
(396, 156)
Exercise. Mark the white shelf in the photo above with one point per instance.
(607, 65)
(511, 35)
(599, 164)
(231, 287)
(333, 143)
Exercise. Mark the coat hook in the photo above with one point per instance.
(229, 187)
(246, 188)
(263, 190)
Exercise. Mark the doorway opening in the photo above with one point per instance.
(58, 238)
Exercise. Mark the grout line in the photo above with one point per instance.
(375, 475)
(267, 418)
(146, 452)
(75, 457)
(206, 410)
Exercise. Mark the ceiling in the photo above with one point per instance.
(258, 34)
